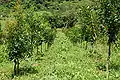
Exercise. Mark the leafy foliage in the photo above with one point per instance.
(27, 25)
(74, 34)
(110, 18)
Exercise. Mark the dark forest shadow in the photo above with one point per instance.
(23, 71)
(27, 70)
(101, 66)
(113, 66)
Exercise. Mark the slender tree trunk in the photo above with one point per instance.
(48, 45)
(41, 48)
(108, 61)
(15, 67)
(86, 45)
(92, 44)
(45, 46)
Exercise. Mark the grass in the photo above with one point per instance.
(63, 61)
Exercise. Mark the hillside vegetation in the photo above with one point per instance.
(59, 39)
(63, 61)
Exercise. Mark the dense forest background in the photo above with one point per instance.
(59, 39)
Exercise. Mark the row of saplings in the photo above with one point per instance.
(22, 37)
(23, 34)
(96, 23)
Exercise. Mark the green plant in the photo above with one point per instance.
(17, 38)
(110, 18)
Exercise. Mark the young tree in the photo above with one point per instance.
(17, 38)
(89, 24)
(40, 28)
(110, 18)
(17, 43)
(48, 32)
